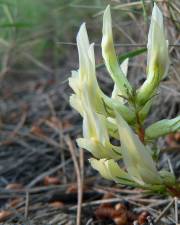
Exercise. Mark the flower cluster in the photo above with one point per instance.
(121, 116)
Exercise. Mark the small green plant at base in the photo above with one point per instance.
(122, 115)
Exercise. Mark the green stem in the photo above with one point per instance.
(139, 127)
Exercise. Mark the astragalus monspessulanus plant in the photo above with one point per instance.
(121, 116)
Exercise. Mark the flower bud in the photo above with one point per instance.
(110, 57)
(162, 128)
(158, 57)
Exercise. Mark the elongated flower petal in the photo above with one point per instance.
(101, 167)
(110, 57)
(137, 159)
(162, 128)
(98, 150)
(116, 93)
(84, 80)
(75, 82)
(76, 103)
(83, 47)
(110, 170)
(112, 127)
(87, 71)
(95, 133)
(158, 58)
(94, 124)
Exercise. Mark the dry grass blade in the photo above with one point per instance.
(78, 174)
(164, 211)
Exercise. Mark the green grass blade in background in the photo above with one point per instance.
(124, 56)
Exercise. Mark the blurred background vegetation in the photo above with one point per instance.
(30, 30)
(37, 32)
(34, 33)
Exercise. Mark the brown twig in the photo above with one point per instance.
(26, 205)
(78, 175)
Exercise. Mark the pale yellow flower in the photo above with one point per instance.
(110, 57)
(136, 156)
(84, 80)
(157, 59)
(117, 93)
(110, 170)
(95, 134)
